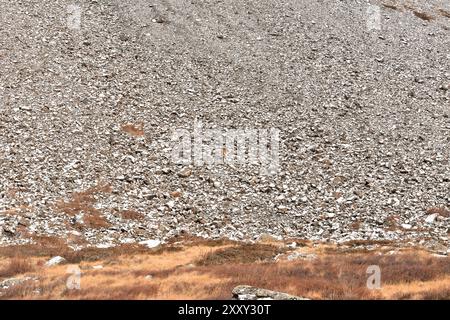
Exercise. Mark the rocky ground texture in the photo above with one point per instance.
(87, 115)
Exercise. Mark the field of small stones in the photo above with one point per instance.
(92, 90)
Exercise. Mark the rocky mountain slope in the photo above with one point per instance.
(91, 92)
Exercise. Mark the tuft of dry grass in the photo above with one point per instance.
(43, 247)
(95, 221)
(83, 202)
(127, 292)
(437, 289)
(355, 225)
(245, 253)
(92, 254)
(191, 241)
(131, 215)
(16, 266)
(391, 223)
(355, 243)
(176, 194)
(136, 130)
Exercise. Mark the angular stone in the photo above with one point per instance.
(55, 261)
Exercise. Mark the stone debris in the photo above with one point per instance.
(363, 118)
(11, 282)
(301, 255)
(243, 292)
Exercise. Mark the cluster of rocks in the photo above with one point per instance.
(244, 292)
(363, 118)
(9, 283)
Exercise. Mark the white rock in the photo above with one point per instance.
(406, 226)
(97, 267)
(170, 204)
(292, 245)
(431, 218)
(55, 261)
(104, 245)
(150, 243)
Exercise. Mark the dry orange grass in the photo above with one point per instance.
(136, 130)
(131, 215)
(16, 266)
(246, 253)
(83, 202)
(43, 246)
(438, 289)
(204, 271)
(95, 221)
(52, 246)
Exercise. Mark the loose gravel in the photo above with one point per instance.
(363, 112)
